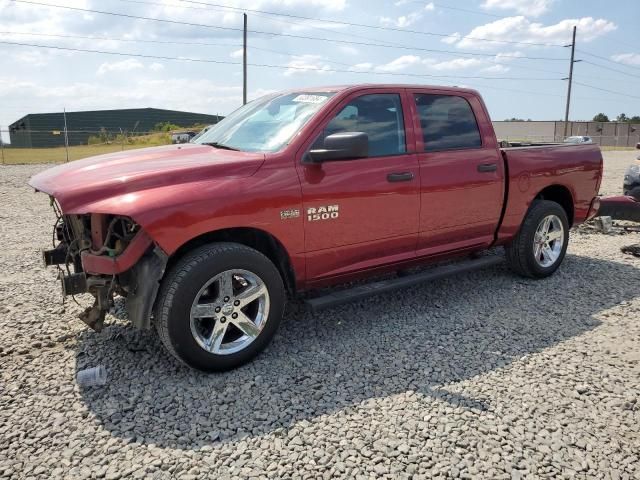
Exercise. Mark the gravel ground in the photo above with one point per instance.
(485, 375)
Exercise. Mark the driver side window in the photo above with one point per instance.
(378, 115)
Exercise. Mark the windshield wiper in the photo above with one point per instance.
(220, 145)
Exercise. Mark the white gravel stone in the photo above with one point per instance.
(484, 375)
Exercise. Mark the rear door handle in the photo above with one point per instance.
(487, 167)
(400, 177)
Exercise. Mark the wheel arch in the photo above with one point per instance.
(561, 195)
(255, 238)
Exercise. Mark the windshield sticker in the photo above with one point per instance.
(306, 98)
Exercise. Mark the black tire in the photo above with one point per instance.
(632, 191)
(183, 283)
(520, 252)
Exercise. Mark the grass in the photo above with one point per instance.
(20, 156)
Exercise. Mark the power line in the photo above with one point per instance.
(611, 69)
(217, 27)
(626, 44)
(162, 42)
(364, 25)
(605, 90)
(608, 59)
(266, 17)
(264, 65)
(466, 10)
(315, 27)
(238, 45)
(120, 39)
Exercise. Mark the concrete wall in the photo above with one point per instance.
(611, 134)
(539, 131)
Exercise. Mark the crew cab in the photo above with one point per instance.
(306, 189)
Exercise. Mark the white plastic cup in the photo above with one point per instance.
(92, 377)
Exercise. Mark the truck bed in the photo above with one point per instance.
(530, 169)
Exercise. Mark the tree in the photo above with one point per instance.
(622, 118)
(165, 127)
(601, 117)
(635, 119)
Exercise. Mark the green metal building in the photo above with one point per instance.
(41, 130)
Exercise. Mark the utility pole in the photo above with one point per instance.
(573, 51)
(66, 136)
(1, 145)
(244, 60)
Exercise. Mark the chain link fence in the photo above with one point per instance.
(67, 136)
(60, 145)
(59, 149)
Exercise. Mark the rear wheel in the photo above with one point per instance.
(220, 306)
(541, 244)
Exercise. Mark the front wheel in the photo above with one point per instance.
(219, 306)
(541, 243)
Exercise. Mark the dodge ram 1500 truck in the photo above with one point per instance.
(307, 189)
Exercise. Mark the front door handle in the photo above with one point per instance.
(400, 177)
(487, 167)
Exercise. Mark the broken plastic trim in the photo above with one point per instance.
(143, 286)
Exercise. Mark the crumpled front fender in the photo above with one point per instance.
(143, 285)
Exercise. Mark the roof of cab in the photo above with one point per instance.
(396, 86)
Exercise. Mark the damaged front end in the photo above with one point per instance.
(106, 255)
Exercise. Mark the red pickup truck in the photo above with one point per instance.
(306, 189)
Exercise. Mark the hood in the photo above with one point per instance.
(92, 179)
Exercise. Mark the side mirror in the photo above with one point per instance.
(340, 146)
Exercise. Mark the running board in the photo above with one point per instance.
(369, 289)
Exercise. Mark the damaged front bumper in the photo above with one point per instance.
(133, 271)
(621, 207)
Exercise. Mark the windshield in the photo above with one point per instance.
(266, 124)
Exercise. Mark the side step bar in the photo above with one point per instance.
(369, 289)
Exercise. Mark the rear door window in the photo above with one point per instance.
(447, 122)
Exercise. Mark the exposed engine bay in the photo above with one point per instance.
(105, 255)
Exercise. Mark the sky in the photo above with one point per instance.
(512, 51)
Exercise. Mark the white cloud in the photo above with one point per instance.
(628, 58)
(121, 66)
(451, 39)
(236, 53)
(362, 66)
(407, 20)
(41, 19)
(400, 63)
(156, 67)
(204, 95)
(307, 63)
(504, 57)
(496, 69)
(533, 8)
(521, 29)
(31, 58)
(348, 49)
(402, 21)
(401, 3)
(457, 64)
(418, 64)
